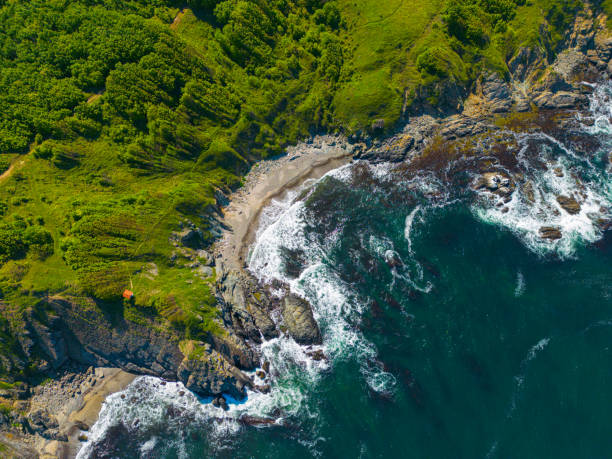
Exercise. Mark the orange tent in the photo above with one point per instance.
(128, 294)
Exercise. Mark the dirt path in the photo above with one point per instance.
(7, 173)
(177, 20)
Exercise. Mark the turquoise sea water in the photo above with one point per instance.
(451, 329)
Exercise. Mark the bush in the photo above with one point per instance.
(432, 61)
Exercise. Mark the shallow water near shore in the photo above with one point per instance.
(451, 328)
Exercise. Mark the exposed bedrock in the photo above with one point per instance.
(298, 319)
(87, 335)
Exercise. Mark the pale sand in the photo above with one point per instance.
(269, 179)
(85, 411)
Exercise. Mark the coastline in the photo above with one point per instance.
(269, 179)
(77, 414)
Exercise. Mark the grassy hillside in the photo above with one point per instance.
(120, 119)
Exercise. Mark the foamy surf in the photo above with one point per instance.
(578, 175)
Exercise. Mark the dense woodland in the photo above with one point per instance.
(121, 118)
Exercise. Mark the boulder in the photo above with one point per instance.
(550, 232)
(493, 181)
(569, 204)
(299, 320)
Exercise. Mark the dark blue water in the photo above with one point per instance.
(452, 329)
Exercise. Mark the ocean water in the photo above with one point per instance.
(451, 329)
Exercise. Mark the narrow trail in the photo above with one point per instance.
(7, 173)
(382, 19)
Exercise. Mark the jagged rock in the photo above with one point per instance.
(235, 350)
(40, 421)
(463, 126)
(392, 150)
(603, 46)
(550, 232)
(91, 339)
(569, 64)
(524, 62)
(263, 321)
(529, 192)
(522, 104)
(265, 389)
(206, 371)
(299, 320)
(497, 93)
(561, 100)
(582, 35)
(317, 355)
(569, 204)
(81, 425)
(245, 310)
(493, 181)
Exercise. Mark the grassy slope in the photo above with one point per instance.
(110, 217)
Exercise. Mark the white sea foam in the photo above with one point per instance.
(568, 173)
(408, 226)
(520, 285)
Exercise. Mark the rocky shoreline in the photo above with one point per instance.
(78, 338)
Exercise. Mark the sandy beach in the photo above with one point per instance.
(270, 179)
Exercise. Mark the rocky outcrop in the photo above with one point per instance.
(84, 333)
(561, 100)
(235, 350)
(551, 233)
(569, 204)
(298, 319)
(206, 371)
(245, 307)
(497, 93)
(495, 182)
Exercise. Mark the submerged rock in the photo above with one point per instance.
(569, 204)
(256, 421)
(300, 323)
